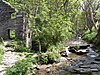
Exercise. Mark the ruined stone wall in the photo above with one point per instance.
(5, 17)
(20, 26)
(10, 24)
(4, 26)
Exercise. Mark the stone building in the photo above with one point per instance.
(19, 24)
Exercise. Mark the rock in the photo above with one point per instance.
(84, 66)
(42, 67)
(72, 49)
(80, 63)
(92, 54)
(67, 50)
(81, 52)
(92, 66)
(61, 72)
(82, 70)
(9, 49)
(63, 59)
(98, 53)
(48, 70)
(97, 59)
(71, 70)
(69, 59)
(84, 46)
(94, 70)
(95, 62)
(63, 54)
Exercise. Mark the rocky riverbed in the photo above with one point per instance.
(86, 64)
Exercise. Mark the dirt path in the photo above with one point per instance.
(9, 58)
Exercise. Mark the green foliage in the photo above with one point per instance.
(96, 41)
(21, 49)
(21, 67)
(1, 41)
(42, 59)
(1, 49)
(77, 47)
(52, 33)
(50, 29)
(18, 45)
(1, 54)
(12, 44)
(12, 34)
(48, 58)
(89, 35)
(49, 24)
(53, 56)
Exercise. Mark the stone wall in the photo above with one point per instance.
(6, 23)
(19, 24)
(10, 24)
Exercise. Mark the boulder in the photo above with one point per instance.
(97, 59)
(72, 49)
(94, 70)
(63, 54)
(84, 66)
(67, 50)
(63, 59)
(82, 51)
(84, 46)
(82, 70)
(42, 67)
(93, 66)
(92, 54)
(95, 62)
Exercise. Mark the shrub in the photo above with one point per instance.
(12, 44)
(1, 54)
(18, 45)
(21, 49)
(52, 32)
(15, 42)
(21, 67)
(1, 50)
(42, 58)
(89, 35)
(48, 58)
(53, 57)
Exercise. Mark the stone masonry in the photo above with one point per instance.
(19, 24)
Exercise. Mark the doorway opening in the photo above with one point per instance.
(11, 34)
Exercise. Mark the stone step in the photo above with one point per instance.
(94, 70)
(82, 70)
(97, 59)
